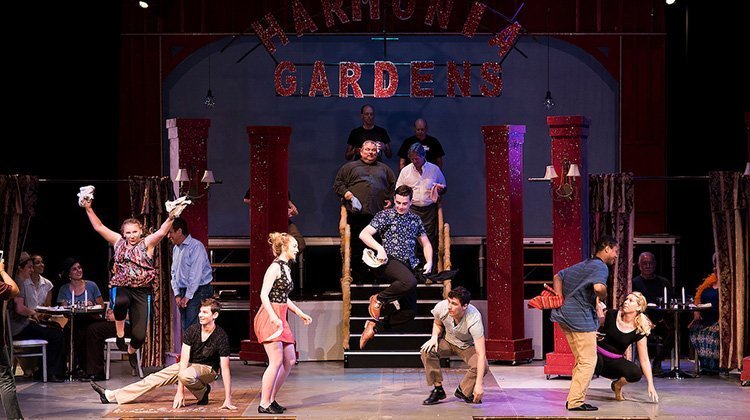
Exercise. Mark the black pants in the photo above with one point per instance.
(429, 216)
(55, 345)
(664, 330)
(135, 301)
(403, 289)
(8, 385)
(96, 334)
(617, 368)
(360, 271)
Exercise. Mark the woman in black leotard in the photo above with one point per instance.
(270, 323)
(621, 328)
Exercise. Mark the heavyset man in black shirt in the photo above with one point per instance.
(205, 349)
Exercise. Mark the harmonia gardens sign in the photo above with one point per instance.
(385, 77)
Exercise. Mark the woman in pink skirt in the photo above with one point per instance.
(270, 324)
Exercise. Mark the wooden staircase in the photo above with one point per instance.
(398, 347)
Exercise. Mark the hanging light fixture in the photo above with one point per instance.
(210, 102)
(549, 103)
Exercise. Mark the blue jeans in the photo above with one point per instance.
(189, 315)
(8, 387)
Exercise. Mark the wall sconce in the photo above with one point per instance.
(565, 187)
(747, 169)
(190, 187)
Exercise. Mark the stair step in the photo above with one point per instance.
(359, 307)
(420, 324)
(424, 291)
(384, 341)
(386, 359)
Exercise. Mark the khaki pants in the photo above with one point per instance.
(583, 346)
(431, 362)
(194, 379)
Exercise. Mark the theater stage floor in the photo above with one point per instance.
(325, 390)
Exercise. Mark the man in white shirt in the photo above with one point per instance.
(462, 334)
(428, 183)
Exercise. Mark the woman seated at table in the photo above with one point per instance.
(704, 328)
(27, 324)
(621, 328)
(82, 292)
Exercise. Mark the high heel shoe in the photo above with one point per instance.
(269, 410)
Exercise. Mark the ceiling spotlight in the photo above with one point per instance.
(670, 1)
(143, 4)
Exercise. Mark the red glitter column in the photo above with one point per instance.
(188, 146)
(569, 217)
(269, 189)
(504, 167)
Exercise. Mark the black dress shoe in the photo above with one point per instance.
(460, 395)
(582, 407)
(269, 410)
(96, 377)
(278, 406)
(99, 390)
(204, 400)
(56, 378)
(121, 344)
(435, 396)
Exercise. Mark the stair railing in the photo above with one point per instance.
(444, 248)
(346, 275)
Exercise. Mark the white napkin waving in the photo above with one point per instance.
(356, 205)
(435, 191)
(86, 194)
(177, 205)
(370, 258)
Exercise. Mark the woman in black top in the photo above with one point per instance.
(621, 328)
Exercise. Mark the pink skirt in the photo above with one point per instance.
(266, 332)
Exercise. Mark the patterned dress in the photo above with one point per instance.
(132, 266)
(265, 331)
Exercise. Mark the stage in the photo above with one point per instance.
(325, 390)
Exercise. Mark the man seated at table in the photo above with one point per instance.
(27, 323)
(652, 286)
(205, 348)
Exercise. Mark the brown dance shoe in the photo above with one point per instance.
(367, 334)
(374, 308)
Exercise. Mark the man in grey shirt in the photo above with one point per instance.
(463, 334)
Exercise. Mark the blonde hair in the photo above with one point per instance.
(643, 325)
(278, 240)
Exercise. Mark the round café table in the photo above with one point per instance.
(71, 312)
(675, 310)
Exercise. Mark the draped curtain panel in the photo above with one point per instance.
(19, 195)
(611, 212)
(147, 197)
(730, 201)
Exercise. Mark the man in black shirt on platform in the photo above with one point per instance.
(652, 286)
(430, 144)
(368, 131)
(205, 348)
